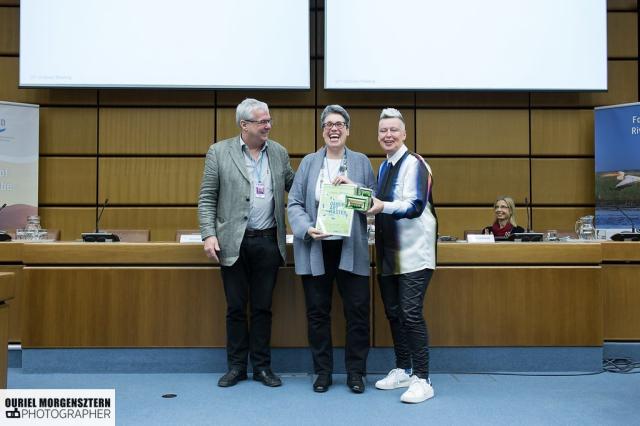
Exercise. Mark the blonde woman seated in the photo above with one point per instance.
(505, 219)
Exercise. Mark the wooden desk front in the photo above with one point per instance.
(7, 292)
(11, 262)
(621, 290)
(170, 295)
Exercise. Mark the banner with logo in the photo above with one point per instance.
(617, 162)
(19, 148)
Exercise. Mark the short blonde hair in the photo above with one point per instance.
(512, 208)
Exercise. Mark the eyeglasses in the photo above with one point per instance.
(338, 125)
(260, 122)
(393, 130)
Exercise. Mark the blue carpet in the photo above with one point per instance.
(298, 360)
(603, 399)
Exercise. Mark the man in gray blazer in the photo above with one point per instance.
(241, 212)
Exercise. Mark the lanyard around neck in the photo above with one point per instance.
(325, 166)
(257, 164)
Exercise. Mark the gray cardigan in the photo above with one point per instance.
(302, 213)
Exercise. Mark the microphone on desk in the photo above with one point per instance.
(528, 235)
(526, 203)
(626, 236)
(97, 236)
(3, 234)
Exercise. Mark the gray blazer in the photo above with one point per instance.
(302, 212)
(223, 207)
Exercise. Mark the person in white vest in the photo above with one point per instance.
(406, 230)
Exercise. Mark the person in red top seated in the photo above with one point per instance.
(505, 218)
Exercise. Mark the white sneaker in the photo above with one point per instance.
(419, 390)
(397, 378)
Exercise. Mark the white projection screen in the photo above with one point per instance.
(165, 44)
(466, 44)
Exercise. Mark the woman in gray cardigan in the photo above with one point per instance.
(320, 258)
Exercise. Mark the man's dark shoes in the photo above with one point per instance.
(232, 378)
(322, 383)
(267, 378)
(355, 382)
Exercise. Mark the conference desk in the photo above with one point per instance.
(112, 295)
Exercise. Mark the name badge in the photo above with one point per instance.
(260, 190)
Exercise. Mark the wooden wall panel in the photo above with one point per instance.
(492, 306)
(621, 293)
(622, 88)
(10, 2)
(622, 37)
(472, 132)
(472, 99)
(478, 181)
(162, 222)
(166, 131)
(158, 181)
(9, 30)
(295, 163)
(563, 181)
(455, 220)
(167, 97)
(9, 89)
(562, 132)
(67, 180)
(472, 181)
(376, 162)
(71, 221)
(562, 219)
(65, 131)
(292, 127)
(622, 5)
(363, 135)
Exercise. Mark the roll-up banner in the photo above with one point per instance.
(617, 162)
(19, 147)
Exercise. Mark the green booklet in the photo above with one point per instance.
(334, 217)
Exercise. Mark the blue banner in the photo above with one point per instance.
(617, 162)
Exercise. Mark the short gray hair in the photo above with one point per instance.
(245, 109)
(335, 109)
(392, 113)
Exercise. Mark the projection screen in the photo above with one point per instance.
(165, 44)
(466, 44)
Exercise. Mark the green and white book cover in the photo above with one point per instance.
(334, 217)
